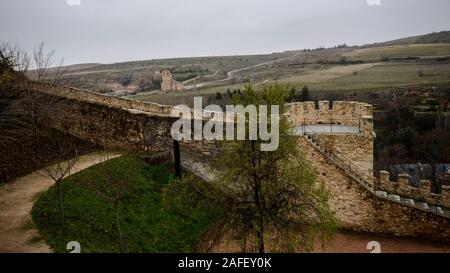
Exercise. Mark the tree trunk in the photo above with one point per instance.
(258, 202)
(435, 186)
(61, 201)
(177, 158)
(260, 235)
(119, 229)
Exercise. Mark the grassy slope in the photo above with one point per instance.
(382, 76)
(375, 74)
(416, 50)
(318, 69)
(147, 224)
(186, 97)
(224, 63)
(89, 77)
(369, 77)
(430, 38)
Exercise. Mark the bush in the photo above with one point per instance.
(343, 60)
(305, 93)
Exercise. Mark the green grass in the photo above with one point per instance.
(147, 224)
(368, 77)
(398, 51)
(385, 76)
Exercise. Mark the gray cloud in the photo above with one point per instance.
(122, 30)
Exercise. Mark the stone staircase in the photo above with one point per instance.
(344, 164)
(369, 182)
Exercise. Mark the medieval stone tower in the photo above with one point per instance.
(168, 83)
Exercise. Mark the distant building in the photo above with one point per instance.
(168, 83)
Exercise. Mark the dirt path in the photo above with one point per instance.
(17, 231)
(230, 74)
(349, 242)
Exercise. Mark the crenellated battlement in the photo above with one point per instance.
(403, 187)
(339, 112)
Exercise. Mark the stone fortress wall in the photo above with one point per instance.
(357, 148)
(343, 113)
(110, 101)
(369, 205)
(117, 122)
(109, 121)
(423, 193)
(339, 112)
(360, 209)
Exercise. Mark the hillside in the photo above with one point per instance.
(442, 37)
(139, 74)
(413, 61)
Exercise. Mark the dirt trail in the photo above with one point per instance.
(230, 74)
(349, 242)
(17, 231)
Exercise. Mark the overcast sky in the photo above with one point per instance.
(123, 30)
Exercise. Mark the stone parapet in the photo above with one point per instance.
(423, 193)
(342, 112)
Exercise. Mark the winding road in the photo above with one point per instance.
(17, 231)
(231, 74)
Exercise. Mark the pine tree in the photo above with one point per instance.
(305, 93)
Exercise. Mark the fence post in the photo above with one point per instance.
(331, 125)
(359, 128)
(176, 155)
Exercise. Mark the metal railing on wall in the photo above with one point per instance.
(340, 160)
(368, 182)
(351, 122)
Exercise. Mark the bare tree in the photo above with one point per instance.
(37, 106)
(41, 65)
(46, 68)
(24, 103)
(57, 172)
(109, 184)
(15, 58)
(14, 64)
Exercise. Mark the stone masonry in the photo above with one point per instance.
(358, 199)
(168, 83)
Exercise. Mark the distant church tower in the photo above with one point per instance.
(168, 83)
